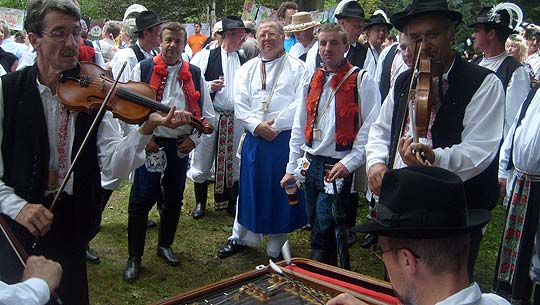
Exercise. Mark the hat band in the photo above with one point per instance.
(420, 218)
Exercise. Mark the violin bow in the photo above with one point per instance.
(18, 249)
(93, 127)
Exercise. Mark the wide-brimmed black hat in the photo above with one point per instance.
(147, 20)
(424, 7)
(423, 202)
(232, 23)
(349, 9)
(498, 16)
(378, 18)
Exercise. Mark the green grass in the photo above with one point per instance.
(197, 242)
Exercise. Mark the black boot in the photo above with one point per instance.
(233, 196)
(136, 240)
(167, 230)
(91, 256)
(324, 256)
(201, 194)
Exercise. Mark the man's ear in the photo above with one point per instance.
(34, 41)
(408, 260)
(347, 46)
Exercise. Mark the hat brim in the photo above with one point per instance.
(476, 219)
(388, 25)
(400, 19)
(341, 16)
(233, 28)
(300, 27)
(149, 27)
(500, 26)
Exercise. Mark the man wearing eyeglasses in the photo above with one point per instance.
(424, 227)
(39, 140)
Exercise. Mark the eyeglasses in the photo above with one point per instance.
(267, 35)
(378, 251)
(62, 35)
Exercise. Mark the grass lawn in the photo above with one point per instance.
(197, 242)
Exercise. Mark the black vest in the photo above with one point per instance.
(214, 69)
(25, 152)
(7, 59)
(138, 53)
(464, 80)
(505, 70)
(147, 67)
(356, 56)
(384, 85)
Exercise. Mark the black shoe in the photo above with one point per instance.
(351, 238)
(198, 211)
(369, 241)
(133, 268)
(150, 224)
(229, 249)
(91, 256)
(168, 255)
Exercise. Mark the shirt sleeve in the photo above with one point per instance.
(516, 93)
(242, 98)
(207, 112)
(297, 133)
(285, 118)
(377, 147)
(481, 135)
(370, 101)
(33, 291)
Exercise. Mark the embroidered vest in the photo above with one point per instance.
(147, 70)
(25, 152)
(346, 109)
(464, 80)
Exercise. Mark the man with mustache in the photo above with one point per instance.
(465, 125)
(39, 140)
(331, 127)
(424, 227)
(177, 84)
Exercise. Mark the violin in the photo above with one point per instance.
(84, 89)
(421, 90)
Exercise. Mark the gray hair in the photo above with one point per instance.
(5, 28)
(130, 27)
(36, 11)
(112, 27)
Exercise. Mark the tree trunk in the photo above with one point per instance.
(310, 5)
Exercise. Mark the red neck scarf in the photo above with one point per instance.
(347, 110)
(185, 79)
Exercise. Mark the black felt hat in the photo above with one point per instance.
(423, 202)
(497, 18)
(232, 23)
(424, 7)
(349, 9)
(147, 20)
(378, 19)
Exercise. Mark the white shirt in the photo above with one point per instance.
(526, 141)
(370, 102)
(398, 64)
(33, 291)
(287, 93)
(370, 64)
(298, 49)
(117, 156)
(2, 71)
(230, 62)
(480, 138)
(534, 62)
(473, 296)
(11, 46)
(516, 91)
(126, 55)
(28, 58)
(173, 95)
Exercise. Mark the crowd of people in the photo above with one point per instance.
(307, 118)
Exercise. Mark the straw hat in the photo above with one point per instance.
(301, 21)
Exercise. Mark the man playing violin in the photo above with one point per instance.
(177, 83)
(40, 138)
(465, 124)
